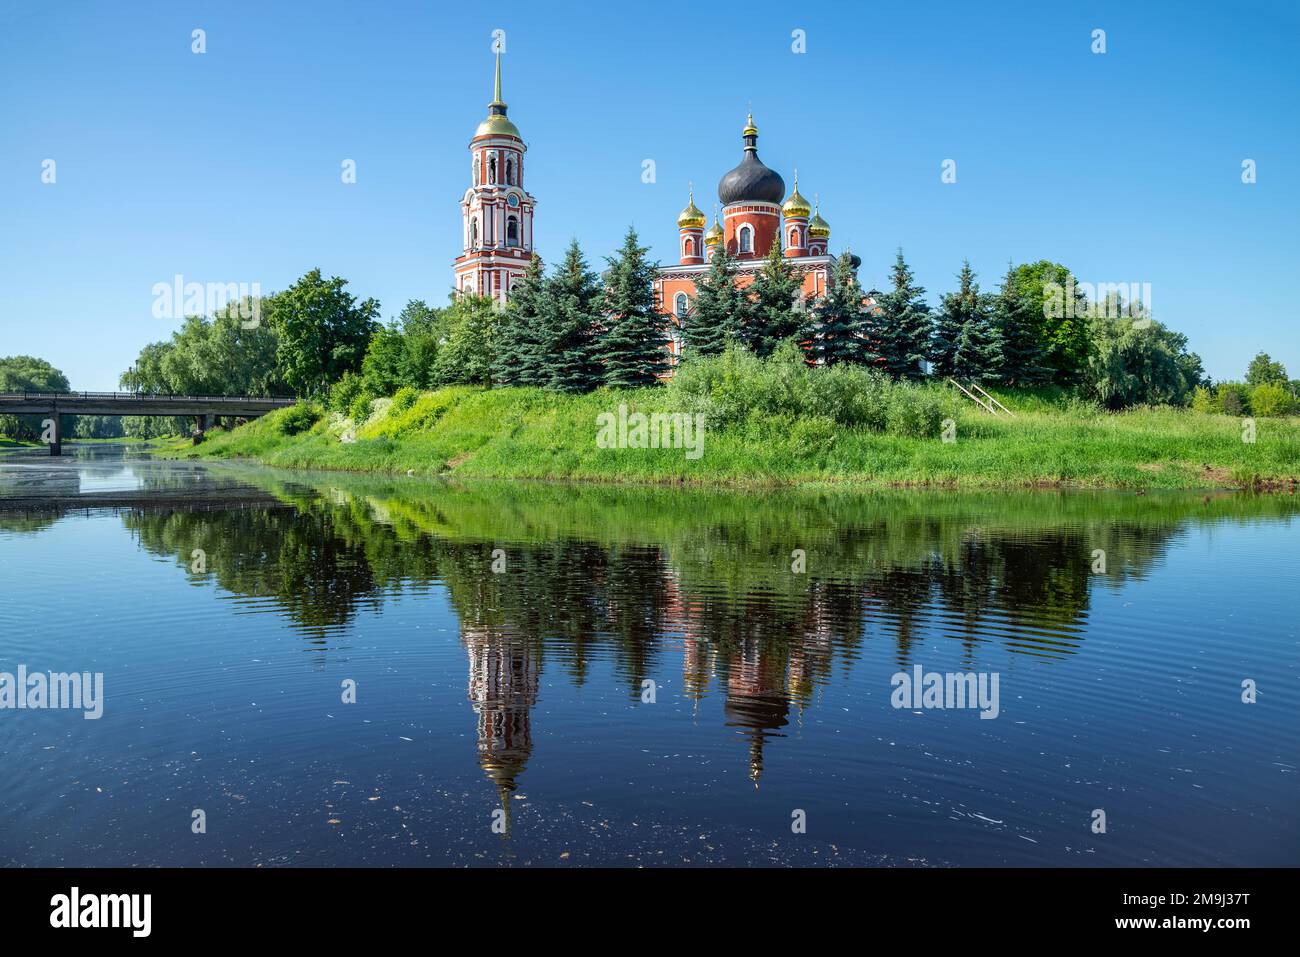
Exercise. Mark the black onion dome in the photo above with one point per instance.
(751, 181)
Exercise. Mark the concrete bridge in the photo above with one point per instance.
(203, 408)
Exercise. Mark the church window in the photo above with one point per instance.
(492, 168)
(512, 231)
(690, 247)
(681, 305)
(746, 239)
(473, 234)
(510, 170)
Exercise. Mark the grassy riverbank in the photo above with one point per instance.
(535, 434)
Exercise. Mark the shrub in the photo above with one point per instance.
(359, 407)
(345, 391)
(1271, 399)
(737, 385)
(403, 399)
(423, 413)
(914, 411)
(1205, 401)
(850, 395)
(812, 434)
(1233, 398)
(298, 418)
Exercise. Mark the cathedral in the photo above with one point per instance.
(754, 218)
(497, 213)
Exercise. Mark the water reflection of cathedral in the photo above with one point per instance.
(765, 676)
(503, 680)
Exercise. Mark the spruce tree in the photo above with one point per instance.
(570, 322)
(718, 310)
(842, 318)
(521, 353)
(1019, 344)
(902, 324)
(963, 343)
(634, 345)
(775, 312)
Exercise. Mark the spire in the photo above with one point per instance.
(496, 123)
(503, 793)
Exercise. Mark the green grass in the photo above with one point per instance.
(535, 434)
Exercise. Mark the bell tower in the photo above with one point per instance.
(496, 210)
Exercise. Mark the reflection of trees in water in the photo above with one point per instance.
(317, 575)
(717, 591)
(22, 523)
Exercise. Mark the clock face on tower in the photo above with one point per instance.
(512, 199)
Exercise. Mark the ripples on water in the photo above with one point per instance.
(523, 688)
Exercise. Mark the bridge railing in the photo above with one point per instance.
(125, 396)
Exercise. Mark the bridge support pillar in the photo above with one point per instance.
(56, 435)
(200, 426)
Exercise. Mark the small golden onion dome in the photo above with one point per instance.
(796, 206)
(714, 235)
(818, 226)
(750, 128)
(692, 217)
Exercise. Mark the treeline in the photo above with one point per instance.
(30, 374)
(1266, 391)
(573, 329)
(27, 374)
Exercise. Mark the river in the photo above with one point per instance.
(328, 669)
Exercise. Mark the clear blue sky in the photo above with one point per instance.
(225, 167)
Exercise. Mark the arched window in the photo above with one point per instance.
(746, 239)
(510, 170)
(681, 305)
(512, 231)
(492, 169)
(473, 234)
(794, 238)
(477, 160)
(689, 249)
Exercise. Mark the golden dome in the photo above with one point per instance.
(818, 226)
(714, 235)
(796, 206)
(497, 125)
(692, 217)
